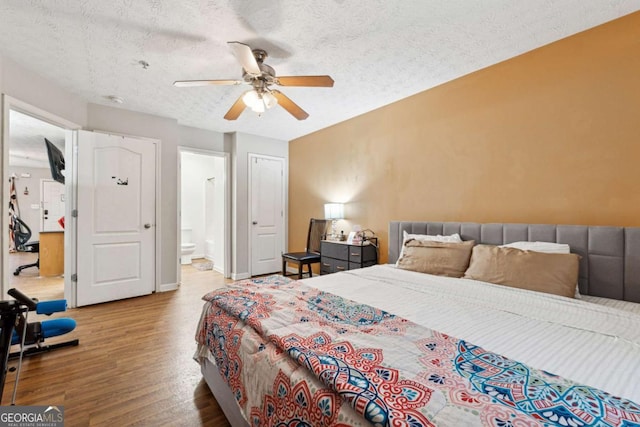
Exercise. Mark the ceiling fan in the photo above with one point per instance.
(261, 76)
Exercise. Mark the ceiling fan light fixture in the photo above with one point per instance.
(259, 102)
(261, 77)
(270, 101)
(253, 100)
(258, 107)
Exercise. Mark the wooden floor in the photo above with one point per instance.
(29, 280)
(134, 363)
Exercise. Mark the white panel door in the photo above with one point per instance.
(267, 228)
(116, 217)
(51, 205)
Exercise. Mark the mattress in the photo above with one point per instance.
(592, 342)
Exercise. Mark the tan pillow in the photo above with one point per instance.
(440, 258)
(543, 272)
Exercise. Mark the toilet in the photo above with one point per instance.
(186, 247)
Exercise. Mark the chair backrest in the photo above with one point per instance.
(317, 231)
(21, 232)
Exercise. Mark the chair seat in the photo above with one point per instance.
(302, 256)
(311, 255)
(31, 247)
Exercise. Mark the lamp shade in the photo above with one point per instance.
(258, 102)
(334, 210)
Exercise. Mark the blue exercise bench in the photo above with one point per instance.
(14, 329)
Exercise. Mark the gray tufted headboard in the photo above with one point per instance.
(610, 264)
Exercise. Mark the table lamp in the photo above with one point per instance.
(334, 212)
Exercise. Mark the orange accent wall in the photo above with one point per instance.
(551, 136)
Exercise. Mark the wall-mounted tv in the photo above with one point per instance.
(56, 161)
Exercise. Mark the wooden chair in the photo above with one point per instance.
(317, 231)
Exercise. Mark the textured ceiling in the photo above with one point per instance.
(26, 143)
(377, 51)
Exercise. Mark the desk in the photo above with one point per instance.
(51, 253)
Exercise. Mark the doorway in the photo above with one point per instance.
(204, 231)
(116, 205)
(34, 255)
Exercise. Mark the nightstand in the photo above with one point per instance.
(341, 256)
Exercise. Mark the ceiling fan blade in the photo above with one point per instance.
(311, 81)
(289, 105)
(236, 109)
(193, 83)
(244, 55)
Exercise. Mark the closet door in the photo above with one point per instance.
(116, 217)
(267, 214)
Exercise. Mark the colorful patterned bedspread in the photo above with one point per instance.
(295, 355)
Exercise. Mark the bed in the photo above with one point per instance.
(511, 348)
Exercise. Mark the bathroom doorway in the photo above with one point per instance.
(203, 213)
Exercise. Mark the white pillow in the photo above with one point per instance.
(547, 247)
(453, 238)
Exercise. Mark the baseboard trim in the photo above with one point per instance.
(218, 269)
(240, 276)
(168, 287)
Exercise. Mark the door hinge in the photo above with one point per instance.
(74, 277)
(74, 213)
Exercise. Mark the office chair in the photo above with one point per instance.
(22, 234)
(311, 255)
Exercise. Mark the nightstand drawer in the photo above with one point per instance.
(326, 265)
(334, 250)
(341, 256)
(341, 266)
(356, 265)
(362, 254)
(332, 265)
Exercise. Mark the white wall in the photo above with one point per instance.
(30, 216)
(218, 214)
(29, 87)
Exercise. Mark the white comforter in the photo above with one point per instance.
(592, 344)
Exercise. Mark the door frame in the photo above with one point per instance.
(158, 226)
(227, 205)
(41, 185)
(282, 160)
(9, 103)
(72, 298)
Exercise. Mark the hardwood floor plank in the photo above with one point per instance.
(134, 364)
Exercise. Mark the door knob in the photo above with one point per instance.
(255, 222)
(147, 225)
